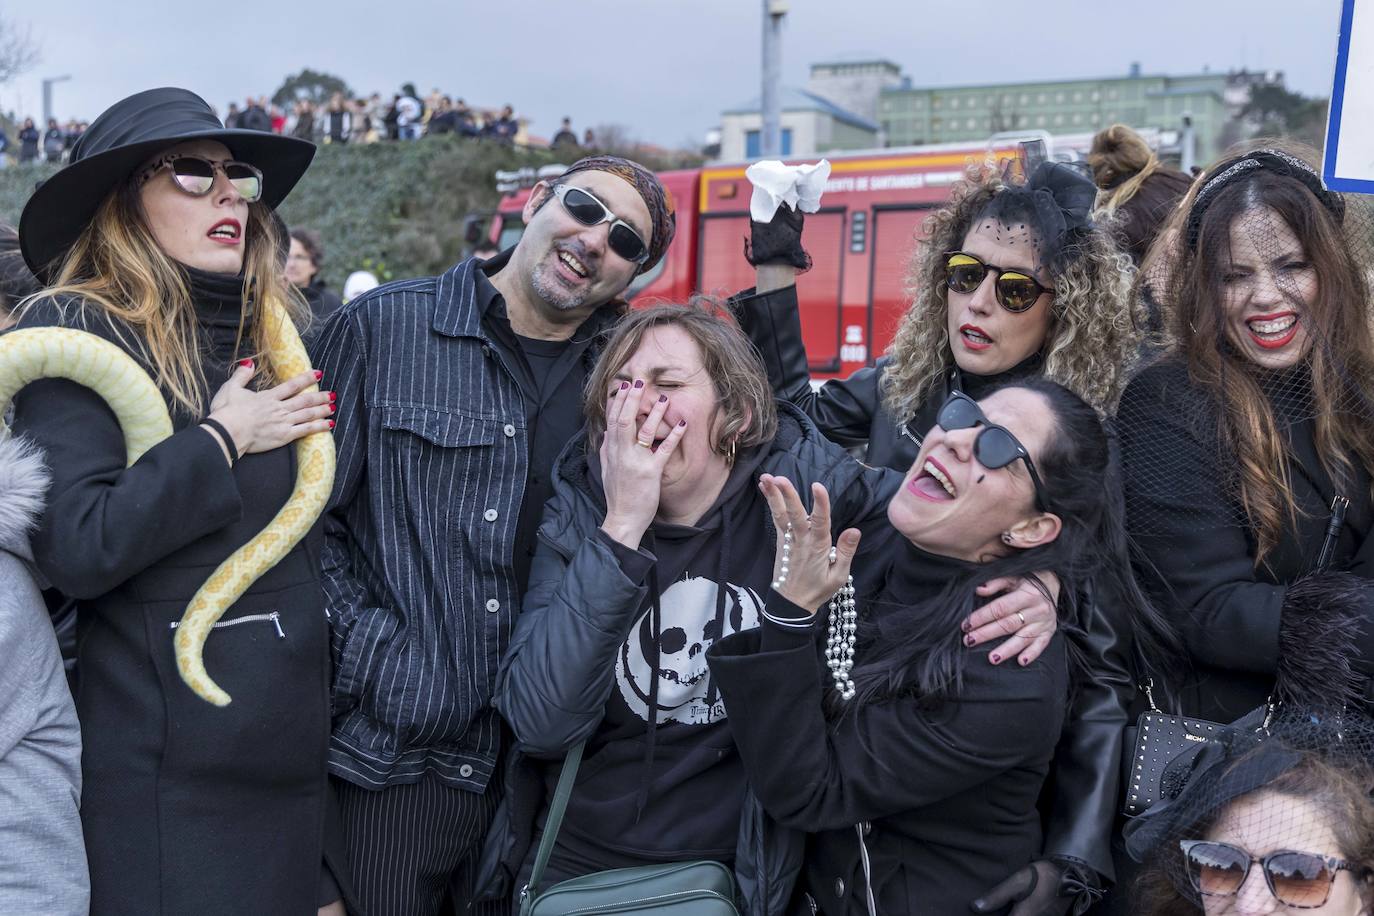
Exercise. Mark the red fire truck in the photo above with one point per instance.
(861, 240)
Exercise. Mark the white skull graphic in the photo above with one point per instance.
(687, 629)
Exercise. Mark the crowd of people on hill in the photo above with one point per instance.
(340, 119)
(601, 613)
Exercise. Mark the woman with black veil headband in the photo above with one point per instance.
(1247, 448)
(1011, 280)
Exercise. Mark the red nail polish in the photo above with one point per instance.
(331, 408)
(624, 385)
(333, 396)
(246, 362)
(639, 383)
(331, 424)
(996, 658)
(318, 375)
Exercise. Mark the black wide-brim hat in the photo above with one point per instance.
(120, 140)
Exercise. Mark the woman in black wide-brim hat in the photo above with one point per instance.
(159, 236)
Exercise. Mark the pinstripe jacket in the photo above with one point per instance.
(433, 457)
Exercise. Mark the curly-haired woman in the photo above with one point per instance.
(1011, 280)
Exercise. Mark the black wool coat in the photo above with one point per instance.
(940, 794)
(186, 807)
(1197, 552)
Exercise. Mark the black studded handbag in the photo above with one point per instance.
(1158, 742)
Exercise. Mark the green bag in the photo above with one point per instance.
(676, 888)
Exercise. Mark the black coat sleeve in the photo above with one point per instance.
(1196, 560)
(815, 776)
(105, 522)
(843, 409)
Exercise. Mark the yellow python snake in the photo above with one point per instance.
(29, 354)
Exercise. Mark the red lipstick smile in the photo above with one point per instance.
(1273, 332)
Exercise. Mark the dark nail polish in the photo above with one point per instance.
(996, 658)
(1024, 662)
(968, 640)
(624, 385)
(662, 398)
(965, 626)
(681, 422)
(639, 383)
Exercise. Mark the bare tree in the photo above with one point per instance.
(18, 49)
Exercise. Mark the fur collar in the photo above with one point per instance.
(23, 486)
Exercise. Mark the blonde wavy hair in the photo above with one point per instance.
(117, 266)
(1093, 337)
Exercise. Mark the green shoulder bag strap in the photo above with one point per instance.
(561, 794)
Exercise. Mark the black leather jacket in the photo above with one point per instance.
(1079, 803)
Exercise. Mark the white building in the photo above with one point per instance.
(810, 125)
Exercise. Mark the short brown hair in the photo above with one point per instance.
(745, 414)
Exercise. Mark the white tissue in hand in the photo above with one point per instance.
(798, 186)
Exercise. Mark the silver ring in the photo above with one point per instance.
(834, 556)
(1022, 618)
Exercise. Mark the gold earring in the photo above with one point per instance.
(730, 455)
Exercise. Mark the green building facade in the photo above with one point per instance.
(910, 116)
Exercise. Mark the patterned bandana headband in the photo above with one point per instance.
(646, 183)
(1275, 161)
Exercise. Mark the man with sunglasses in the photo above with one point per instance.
(455, 395)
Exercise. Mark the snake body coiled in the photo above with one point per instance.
(30, 354)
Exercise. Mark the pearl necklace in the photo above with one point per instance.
(843, 622)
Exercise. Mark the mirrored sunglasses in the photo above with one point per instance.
(582, 206)
(1297, 879)
(195, 175)
(1016, 291)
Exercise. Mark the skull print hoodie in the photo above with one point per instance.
(611, 647)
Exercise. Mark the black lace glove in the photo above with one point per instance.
(1043, 888)
(779, 241)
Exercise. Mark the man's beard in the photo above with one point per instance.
(552, 291)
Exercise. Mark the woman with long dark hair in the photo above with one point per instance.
(159, 237)
(915, 765)
(1247, 449)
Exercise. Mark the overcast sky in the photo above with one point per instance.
(663, 68)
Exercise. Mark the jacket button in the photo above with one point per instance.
(493, 605)
(839, 888)
(489, 515)
(465, 771)
(509, 430)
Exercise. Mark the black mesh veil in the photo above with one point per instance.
(1278, 814)
(1263, 367)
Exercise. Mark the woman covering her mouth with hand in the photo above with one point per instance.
(1010, 280)
(917, 770)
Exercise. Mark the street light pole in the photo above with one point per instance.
(47, 95)
(771, 137)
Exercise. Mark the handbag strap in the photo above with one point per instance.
(555, 820)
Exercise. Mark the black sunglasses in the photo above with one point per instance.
(195, 175)
(584, 207)
(994, 446)
(1297, 879)
(1016, 290)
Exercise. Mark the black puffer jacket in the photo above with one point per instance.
(556, 679)
(1080, 801)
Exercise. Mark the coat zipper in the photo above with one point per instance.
(273, 616)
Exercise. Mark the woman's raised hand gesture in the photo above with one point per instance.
(260, 421)
(803, 570)
(631, 465)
